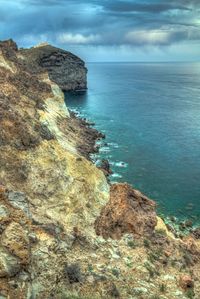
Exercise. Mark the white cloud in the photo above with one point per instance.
(68, 38)
(149, 37)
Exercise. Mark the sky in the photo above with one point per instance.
(107, 30)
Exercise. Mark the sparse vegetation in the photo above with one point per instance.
(132, 244)
(188, 259)
(162, 288)
(155, 255)
(115, 272)
(152, 271)
(90, 268)
(147, 243)
(73, 273)
(190, 294)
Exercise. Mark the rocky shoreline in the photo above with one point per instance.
(64, 231)
(178, 227)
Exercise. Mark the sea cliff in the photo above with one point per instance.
(65, 232)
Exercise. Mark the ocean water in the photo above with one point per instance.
(150, 114)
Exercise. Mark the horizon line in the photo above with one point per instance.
(172, 61)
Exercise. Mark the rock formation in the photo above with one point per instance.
(53, 200)
(128, 211)
(64, 68)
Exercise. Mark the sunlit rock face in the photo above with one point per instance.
(128, 211)
(64, 68)
(48, 191)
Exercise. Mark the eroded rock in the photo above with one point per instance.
(15, 240)
(128, 211)
(64, 68)
(9, 264)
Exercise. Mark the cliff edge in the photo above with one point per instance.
(64, 68)
(64, 231)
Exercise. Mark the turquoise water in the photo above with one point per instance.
(150, 114)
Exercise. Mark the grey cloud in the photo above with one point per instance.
(100, 22)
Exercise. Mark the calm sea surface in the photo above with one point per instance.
(150, 114)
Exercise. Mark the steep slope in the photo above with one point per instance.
(64, 233)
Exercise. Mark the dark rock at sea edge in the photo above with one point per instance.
(64, 68)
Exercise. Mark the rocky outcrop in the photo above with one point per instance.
(64, 68)
(53, 200)
(128, 211)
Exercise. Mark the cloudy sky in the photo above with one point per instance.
(107, 30)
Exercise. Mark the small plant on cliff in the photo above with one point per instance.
(90, 268)
(132, 244)
(73, 273)
(162, 288)
(152, 271)
(155, 255)
(147, 243)
(190, 294)
(115, 272)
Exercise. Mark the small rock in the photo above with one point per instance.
(15, 239)
(90, 279)
(186, 282)
(196, 233)
(173, 219)
(9, 265)
(33, 237)
(188, 223)
(113, 292)
(19, 201)
(3, 212)
(139, 291)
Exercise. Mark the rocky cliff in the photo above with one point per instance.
(64, 231)
(64, 68)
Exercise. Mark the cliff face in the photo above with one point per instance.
(64, 68)
(63, 232)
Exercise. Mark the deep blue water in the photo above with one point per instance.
(150, 114)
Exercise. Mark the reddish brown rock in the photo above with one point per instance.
(128, 211)
(186, 282)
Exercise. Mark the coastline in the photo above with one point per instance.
(178, 227)
(65, 231)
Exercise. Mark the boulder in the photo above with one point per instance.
(128, 211)
(186, 282)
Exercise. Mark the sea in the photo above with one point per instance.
(150, 114)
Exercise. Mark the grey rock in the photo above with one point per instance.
(19, 201)
(9, 265)
(3, 212)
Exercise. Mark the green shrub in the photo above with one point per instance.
(132, 244)
(190, 294)
(162, 288)
(147, 243)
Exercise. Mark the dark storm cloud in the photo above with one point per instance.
(100, 22)
(123, 6)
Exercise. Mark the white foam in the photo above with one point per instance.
(120, 164)
(104, 149)
(113, 144)
(116, 175)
